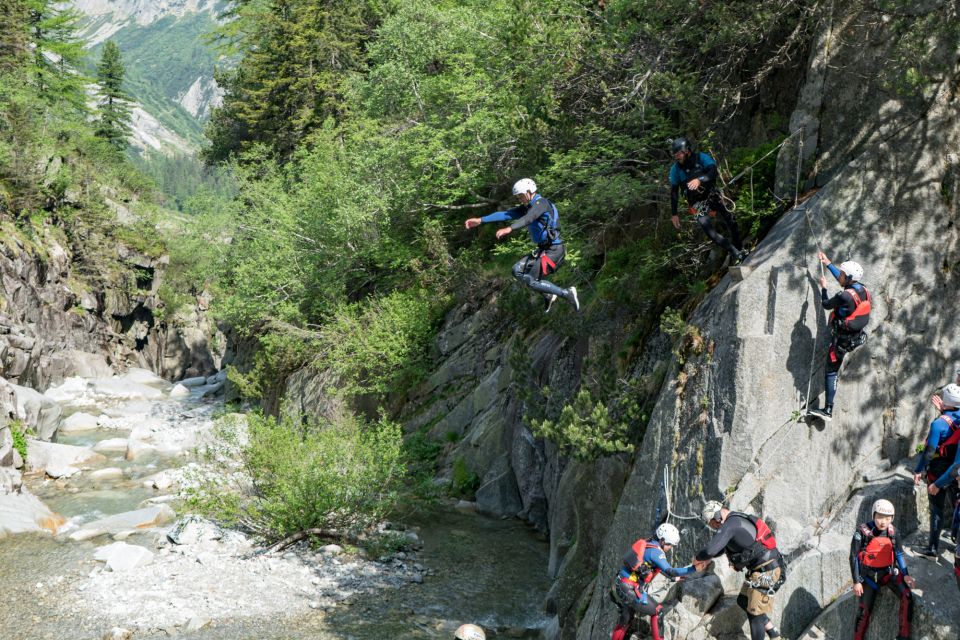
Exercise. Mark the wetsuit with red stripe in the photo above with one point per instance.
(543, 222)
(876, 560)
(643, 561)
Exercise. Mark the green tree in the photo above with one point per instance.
(13, 34)
(113, 124)
(57, 53)
(297, 54)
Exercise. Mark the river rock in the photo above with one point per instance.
(69, 390)
(140, 519)
(37, 411)
(193, 382)
(220, 376)
(110, 473)
(56, 471)
(42, 455)
(137, 449)
(194, 530)
(122, 389)
(160, 481)
(10, 480)
(121, 556)
(179, 391)
(331, 550)
(112, 445)
(700, 594)
(22, 512)
(78, 422)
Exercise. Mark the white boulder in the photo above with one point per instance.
(121, 556)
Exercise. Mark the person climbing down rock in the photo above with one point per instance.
(955, 531)
(540, 217)
(696, 174)
(850, 313)
(876, 560)
(750, 546)
(938, 459)
(469, 632)
(643, 561)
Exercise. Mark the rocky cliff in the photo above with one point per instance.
(879, 175)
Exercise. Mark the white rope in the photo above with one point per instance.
(667, 490)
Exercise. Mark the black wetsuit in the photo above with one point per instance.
(847, 336)
(737, 538)
(705, 202)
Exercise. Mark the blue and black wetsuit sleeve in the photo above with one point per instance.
(898, 554)
(536, 209)
(658, 558)
(708, 170)
(503, 216)
(834, 302)
(930, 449)
(856, 546)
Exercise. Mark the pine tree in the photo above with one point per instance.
(13, 34)
(113, 123)
(297, 56)
(57, 53)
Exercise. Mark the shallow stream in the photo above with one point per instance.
(480, 570)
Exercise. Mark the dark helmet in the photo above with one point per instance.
(679, 144)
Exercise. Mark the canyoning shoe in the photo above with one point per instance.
(773, 632)
(548, 301)
(927, 552)
(571, 297)
(825, 414)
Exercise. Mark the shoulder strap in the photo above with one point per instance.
(950, 421)
(866, 531)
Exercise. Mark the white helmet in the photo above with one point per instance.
(852, 269)
(524, 185)
(951, 395)
(668, 534)
(711, 511)
(883, 507)
(470, 632)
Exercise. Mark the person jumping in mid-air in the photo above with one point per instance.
(850, 313)
(540, 216)
(696, 175)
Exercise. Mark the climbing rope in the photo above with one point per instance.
(667, 491)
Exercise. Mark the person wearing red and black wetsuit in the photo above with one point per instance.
(876, 560)
(643, 561)
(850, 313)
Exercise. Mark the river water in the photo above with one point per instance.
(481, 570)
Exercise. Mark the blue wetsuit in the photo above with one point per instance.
(630, 586)
(541, 219)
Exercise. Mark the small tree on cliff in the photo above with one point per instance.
(113, 124)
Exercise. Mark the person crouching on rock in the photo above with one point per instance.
(540, 217)
(850, 313)
(876, 559)
(940, 456)
(643, 561)
(750, 546)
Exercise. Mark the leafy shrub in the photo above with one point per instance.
(586, 429)
(464, 482)
(277, 478)
(19, 432)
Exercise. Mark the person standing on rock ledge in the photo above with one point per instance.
(695, 174)
(749, 545)
(850, 314)
(643, 561)
(876, 559)
(940, 459)
(540, 217)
